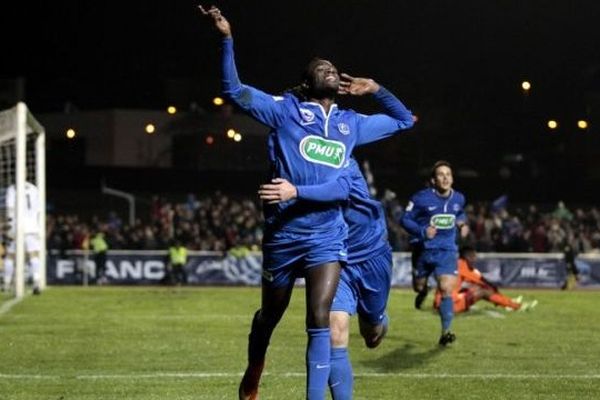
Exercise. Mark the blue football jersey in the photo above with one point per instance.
(309, 146)
(365, 216)
(428, 208)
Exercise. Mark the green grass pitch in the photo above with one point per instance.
(190, 343)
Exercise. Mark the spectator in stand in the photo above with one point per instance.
(562, 212)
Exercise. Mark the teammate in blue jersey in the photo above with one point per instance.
(433, 215)
(365, 281)
(310, 141)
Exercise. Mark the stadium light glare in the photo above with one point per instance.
(552, 124)
(237, 137)
(210, 140)
(218, 101)
(526, 85)
(230, 133)
(150, 129)
(172, 110)
(71, 133)
(582, 124)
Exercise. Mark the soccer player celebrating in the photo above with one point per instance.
(309, 144)
(433, 215)
(365, 281)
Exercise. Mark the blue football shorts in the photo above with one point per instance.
(286, 255)
(364, 287)
(437, 261)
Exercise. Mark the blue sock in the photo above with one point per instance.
(446, 312)
(317, 363)
(340, 377)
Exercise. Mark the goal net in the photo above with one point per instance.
(22, 200)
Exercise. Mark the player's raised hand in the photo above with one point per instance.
(221, 22)
(357, 86)
(279, 190)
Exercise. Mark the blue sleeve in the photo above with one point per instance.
(262, 106)
(379, 126)
(409, 220)
(336, 190)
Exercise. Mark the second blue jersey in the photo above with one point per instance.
(365, 216)
(429, 208)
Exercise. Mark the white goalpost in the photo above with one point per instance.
(22, 166)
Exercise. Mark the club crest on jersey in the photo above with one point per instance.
(323, 151)
(443, 221)
(456, 207)
(344, 128)
(307, 115)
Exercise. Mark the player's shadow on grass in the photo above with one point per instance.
(409, 355)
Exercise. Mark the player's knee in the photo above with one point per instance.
(339, 337)
(318, 318)
(339, 325)
(266, 319)
(446, 289)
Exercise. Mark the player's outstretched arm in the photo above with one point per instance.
(260, 105)
(220, 21)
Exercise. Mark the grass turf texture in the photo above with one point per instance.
(190, 343)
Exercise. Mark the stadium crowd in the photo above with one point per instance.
(220, 222)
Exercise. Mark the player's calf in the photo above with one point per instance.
(248, 389)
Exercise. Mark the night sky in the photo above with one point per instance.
(458, 65)
(123, 54)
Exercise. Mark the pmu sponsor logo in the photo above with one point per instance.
(443, 221)
(323, 151)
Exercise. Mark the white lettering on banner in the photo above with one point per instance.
(64, 268)
(135, 270)
(154, 270)
(528, 272)
(130, 269)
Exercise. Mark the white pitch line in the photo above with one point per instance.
(9, 304)
(209, 375)
(26, 376)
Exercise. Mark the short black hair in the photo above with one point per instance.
(440, 163)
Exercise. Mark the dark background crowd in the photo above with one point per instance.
(220, 222)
